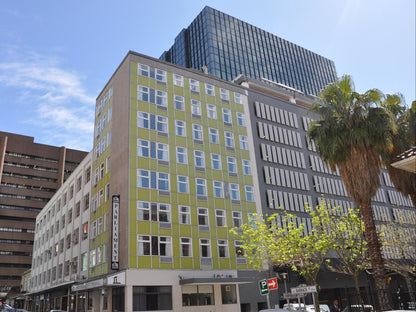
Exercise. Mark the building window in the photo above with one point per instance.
(183, 184)
(229, 139)
(213, 136)
(224, 95)
(222, 248)
(234, 191)
(181, 155)
(243, 142)
(241, 119)
(143, 70)
(143, 93)
(161, 212)
(249, 193)
(178, 80)
(246, 167)
(197, 295)
(201, 187)
(209, 89)
(84, 230)
(84, 261)
(203, 217)
(238, 98)
(184, 215)
(143, 211)
(199, 158)
(196, 107)
(153, 180)
(226, 116)
(237, 219)
(194, 85)
(161, 98)
(220, 218)
(216, 162)
(152, 298)
(239, 251)
(179, 102)
(165, 246)
(197, 132)
(212, 111)
(186, 247)
(152, 122)
(154, 245)
(143, 242)
(180, 128)
(204, 248)
(161, 76)
(231, 164)
(218, 189)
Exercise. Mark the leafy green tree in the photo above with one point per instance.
(351, 132)
(346, 231)
(280, 240)
(403, 139)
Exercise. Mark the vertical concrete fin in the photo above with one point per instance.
(3, 146)
(61, 166)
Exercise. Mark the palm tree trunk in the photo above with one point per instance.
(376, 259)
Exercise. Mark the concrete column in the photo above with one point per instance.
(61, 167)
(128, 298)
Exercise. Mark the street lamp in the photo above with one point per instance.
(284, 275)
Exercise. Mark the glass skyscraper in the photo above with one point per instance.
(230, 47)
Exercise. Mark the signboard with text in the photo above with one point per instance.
(303, 290)
(115, 234)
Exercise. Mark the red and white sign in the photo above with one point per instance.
(272, 283)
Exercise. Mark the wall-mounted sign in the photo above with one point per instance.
(115, 234)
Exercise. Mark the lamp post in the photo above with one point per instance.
(284, 275)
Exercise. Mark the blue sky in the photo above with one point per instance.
(56, 56)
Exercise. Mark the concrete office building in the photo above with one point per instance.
(172, 171)
(291, 174)
(230, 47)
(30, 173)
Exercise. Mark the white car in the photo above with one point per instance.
(322, 307)
(359, 308)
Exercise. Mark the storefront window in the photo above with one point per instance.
(152, 298)
(228, 294)
(197, 295)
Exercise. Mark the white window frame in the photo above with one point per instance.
(238, 98)
(226, 116)
(167, 241)
(161, 75)
(234, 191)
(205, 243)
(199, 159)
(197, 132)
(196, 107)
(161, 98)
(231, 164)
(237, 218)
(143, 210)
(162, 124)
(209, 89)
(213, 136)
(224, 94)
(220, 218)
(180, 128)
(211, 111)
(183, 184)
(179, 102)
(185, 241)
(142, 241)
(203, 216)
(229, 139)
(181, 152)
(249, 193)
(218, 188)
(201, 185)
(178, 80)
(222, 248)
(241, 119)
(216, 161)
(184, 213)
(194, 85)
(243, 142)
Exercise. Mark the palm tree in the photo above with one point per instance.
(403, 139)
(351, 132)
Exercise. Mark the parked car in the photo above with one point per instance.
(295, 306)
(359, 308)
(322, 307)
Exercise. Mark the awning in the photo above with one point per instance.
(213, 280)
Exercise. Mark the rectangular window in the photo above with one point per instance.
(152, 298)
(218, 189)
(184, 215)
(143, 245)
(143, 211)
(234, 191)
(229, 139)
(249, 193)
(152, 122)
(231, 164)
(212, 111)
(243, 142)
(153, 180)
(197, 132)
(216, 162)
(161, 76)
(226, 116)
(237, 219)
(201, 187)
(222, 248)
(162, 124)
(183, 184)
(194, 85)
(179, 102)
(239, 251)
(224, 95)
(186, 247)
(165, 246)
(238, 98)
(246, 167)
(161, 98)
(143, 120)
(181, 155)
(241, 119)
(209, 89)
(213, 136)
(197, 295)
(180, 128)
(178, 80)
(220, 218)
(143, 148)
(199, 158)
(143, 70)
(205, 248)
(203, 218)
(143, 93)
(196, 108)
